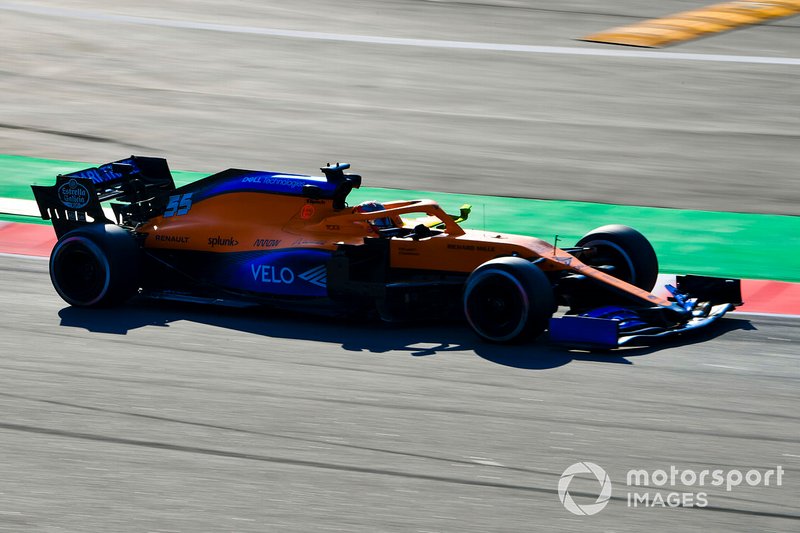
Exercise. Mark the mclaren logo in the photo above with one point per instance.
(316, 276)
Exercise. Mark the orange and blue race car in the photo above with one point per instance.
(292, 241)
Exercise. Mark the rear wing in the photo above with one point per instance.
(75, 199)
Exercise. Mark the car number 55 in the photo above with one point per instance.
(178, 205)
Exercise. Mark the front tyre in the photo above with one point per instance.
(95, 266)
(508, 299)
(627, 251)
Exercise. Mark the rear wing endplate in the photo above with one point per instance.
(75, 198)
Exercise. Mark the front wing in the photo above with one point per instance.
(699, 302)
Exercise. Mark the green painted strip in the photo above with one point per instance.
(694, 242)
(22, 219)
(698, 242)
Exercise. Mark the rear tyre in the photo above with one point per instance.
(508, 300)
(625, 249)
(95, 266)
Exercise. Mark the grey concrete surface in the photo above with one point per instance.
(696, 134)
(181, 418)
(176, 418)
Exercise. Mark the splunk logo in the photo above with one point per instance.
(222, 241)
(602, 478)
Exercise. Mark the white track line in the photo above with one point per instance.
(28, 208)
(772, 315)
(13, 206)
(396, 41)
(24, 256)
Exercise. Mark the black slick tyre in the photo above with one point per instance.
(625, 249)
(507, 300)
(95, 266)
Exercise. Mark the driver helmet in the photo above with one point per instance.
(371, 207)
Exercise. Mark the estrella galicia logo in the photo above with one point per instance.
(584, 467)
(73, 195)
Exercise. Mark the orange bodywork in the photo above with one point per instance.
(255, 221)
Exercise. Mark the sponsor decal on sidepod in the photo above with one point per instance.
(222, 241)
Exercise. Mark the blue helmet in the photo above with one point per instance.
(371, 207)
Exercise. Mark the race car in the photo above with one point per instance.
(244, 237)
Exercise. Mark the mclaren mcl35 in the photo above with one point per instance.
(292, 241)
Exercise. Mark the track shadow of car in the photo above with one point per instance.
(521, 356)
(370, 336)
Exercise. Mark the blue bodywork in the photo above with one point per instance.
(293, 272)
(106, 173)
(613, 326)
(271, 182)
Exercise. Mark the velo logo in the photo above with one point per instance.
(584, 467)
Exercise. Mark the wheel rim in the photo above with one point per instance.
(609, 253)
(496, 305)
(80, 271)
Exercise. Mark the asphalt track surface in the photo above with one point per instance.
(180, 418)
(87, 83)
